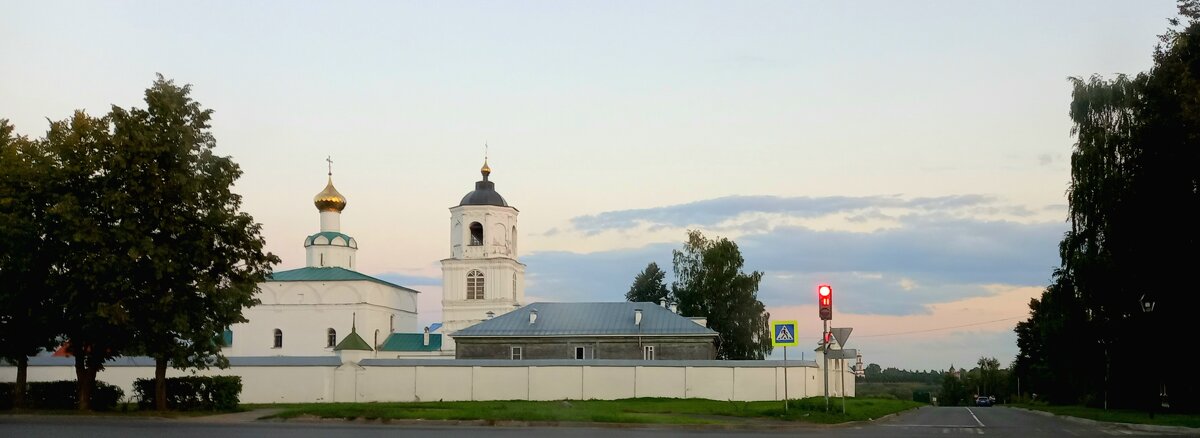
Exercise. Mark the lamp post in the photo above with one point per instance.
(1147, 305)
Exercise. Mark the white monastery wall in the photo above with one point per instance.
(402, 380)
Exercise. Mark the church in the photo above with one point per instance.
(327, 308)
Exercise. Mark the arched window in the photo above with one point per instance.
(513, 239)
(476, 234)
(392, 324)
(475, 285)
(278, 338)
(330, 338)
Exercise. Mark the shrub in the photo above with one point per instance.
(193, 393)
(62, 394)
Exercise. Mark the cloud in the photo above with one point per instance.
(711, 212)
(955, 333)
(927, 259)
(1045, 159)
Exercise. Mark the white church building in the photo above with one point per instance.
(309, 311)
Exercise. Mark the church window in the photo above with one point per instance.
(322, 259)
(580, 352)
(330, 338)
(227, 338)
(516, 353)
(476, 234)
(648, 352)
(475, 285)
(278, 338)
(392, 324)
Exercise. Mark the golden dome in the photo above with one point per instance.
(329, 199)
(486, 170)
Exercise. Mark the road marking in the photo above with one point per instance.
(976, 418)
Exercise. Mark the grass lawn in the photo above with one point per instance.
(1116, 415)
(638, 410)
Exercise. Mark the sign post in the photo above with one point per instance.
(784, 335)
(842, 335)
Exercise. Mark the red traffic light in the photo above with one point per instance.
(825, 300)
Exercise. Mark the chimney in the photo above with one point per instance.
(425, 340)
(637, 317)
(663, 302)
(532, 316)
(491, 314)
(674, 308)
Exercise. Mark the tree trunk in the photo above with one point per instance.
(86, 379)
(22, 376)
(160, 383)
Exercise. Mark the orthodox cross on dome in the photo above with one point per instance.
(486, 170)
(329, 159)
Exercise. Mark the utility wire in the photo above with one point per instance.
(940, 328)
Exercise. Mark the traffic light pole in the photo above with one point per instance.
(825, 336)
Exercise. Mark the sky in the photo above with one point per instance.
(914, 155)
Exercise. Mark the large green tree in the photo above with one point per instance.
(195, 258)
(709, 282)
(649, 285)
(91, 280)
(28, 313)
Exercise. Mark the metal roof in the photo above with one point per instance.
(353, 342)
(240, 361)
(411, 342)
(587, 319)
(331, 273)
(586, 362)
(484, 194)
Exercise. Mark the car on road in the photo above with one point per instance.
(983, 401)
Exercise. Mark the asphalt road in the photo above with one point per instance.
(924, 422)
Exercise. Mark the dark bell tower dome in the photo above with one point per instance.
(485, 191)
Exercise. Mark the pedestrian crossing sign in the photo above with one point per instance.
(784, 334)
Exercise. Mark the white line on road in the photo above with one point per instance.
(976, 418)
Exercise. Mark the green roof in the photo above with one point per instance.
(332, 273)
(353, 342)
(329, 236)
(411, 342)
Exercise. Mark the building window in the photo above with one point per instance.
(516, 353)
(330, 338)
(278, 338)
(476, 234)
(475, 285)
(322, 259)
(392, 324)
(580, 353)
(648, 352)
(227, 338)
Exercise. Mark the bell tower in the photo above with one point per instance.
(482, 275)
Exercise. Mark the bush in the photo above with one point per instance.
(62, 394)
(193, 393)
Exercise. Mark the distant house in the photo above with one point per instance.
(619, 330)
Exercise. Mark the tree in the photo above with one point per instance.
(1133, 194)
(648, 286)
(954, 392)
(149, 251)
(27, 311)
(195, 258)
(709, 283)
(89, 245)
